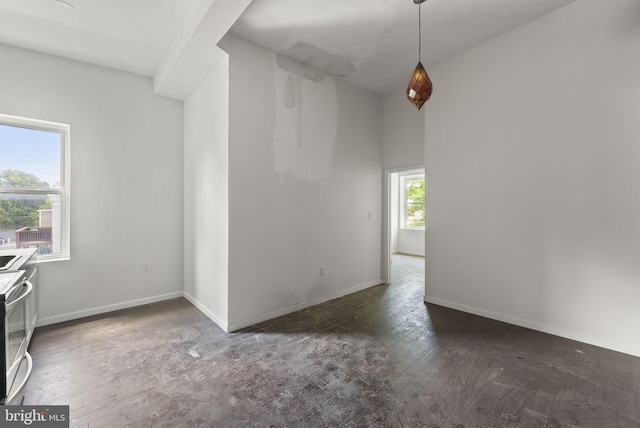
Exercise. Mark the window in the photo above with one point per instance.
(34, 192)
(413, 196)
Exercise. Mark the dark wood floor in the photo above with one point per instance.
(380, 357)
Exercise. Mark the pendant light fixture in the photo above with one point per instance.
(420, 86)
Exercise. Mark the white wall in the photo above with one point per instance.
(411, 241)
(402, 131)
(126, 181)
(402, 149)
(206, 199)
(302, 180)
(534, 187)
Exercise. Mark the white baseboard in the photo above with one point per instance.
(284, 311)
(202, 308)
(603, 343)
(107, 308)
(410, 253)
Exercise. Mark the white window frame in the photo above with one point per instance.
(403, 199)
(65, 135)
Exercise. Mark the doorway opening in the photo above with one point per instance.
(405, 222)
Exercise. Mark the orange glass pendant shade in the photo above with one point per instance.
(420, 87)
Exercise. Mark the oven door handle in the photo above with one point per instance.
(20, 299)
(17, 391)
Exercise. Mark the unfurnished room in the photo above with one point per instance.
(295, 213)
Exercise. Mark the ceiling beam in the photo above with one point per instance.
(193, 53)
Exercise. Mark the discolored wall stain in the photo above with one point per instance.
(337, 65)
(299, 69)
(306, 119)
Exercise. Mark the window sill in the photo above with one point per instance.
(43, 259)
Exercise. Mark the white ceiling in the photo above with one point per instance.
(130, 35)
(374, 43)
(371, 43)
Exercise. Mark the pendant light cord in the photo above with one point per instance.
(419, 32)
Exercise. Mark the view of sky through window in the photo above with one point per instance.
(33, 151)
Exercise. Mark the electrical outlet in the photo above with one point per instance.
(146, 266)
(323, 271)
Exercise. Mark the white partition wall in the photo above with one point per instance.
(305, 156)
(534, 187)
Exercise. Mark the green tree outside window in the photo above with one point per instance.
(415, 213)
(17, 211)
